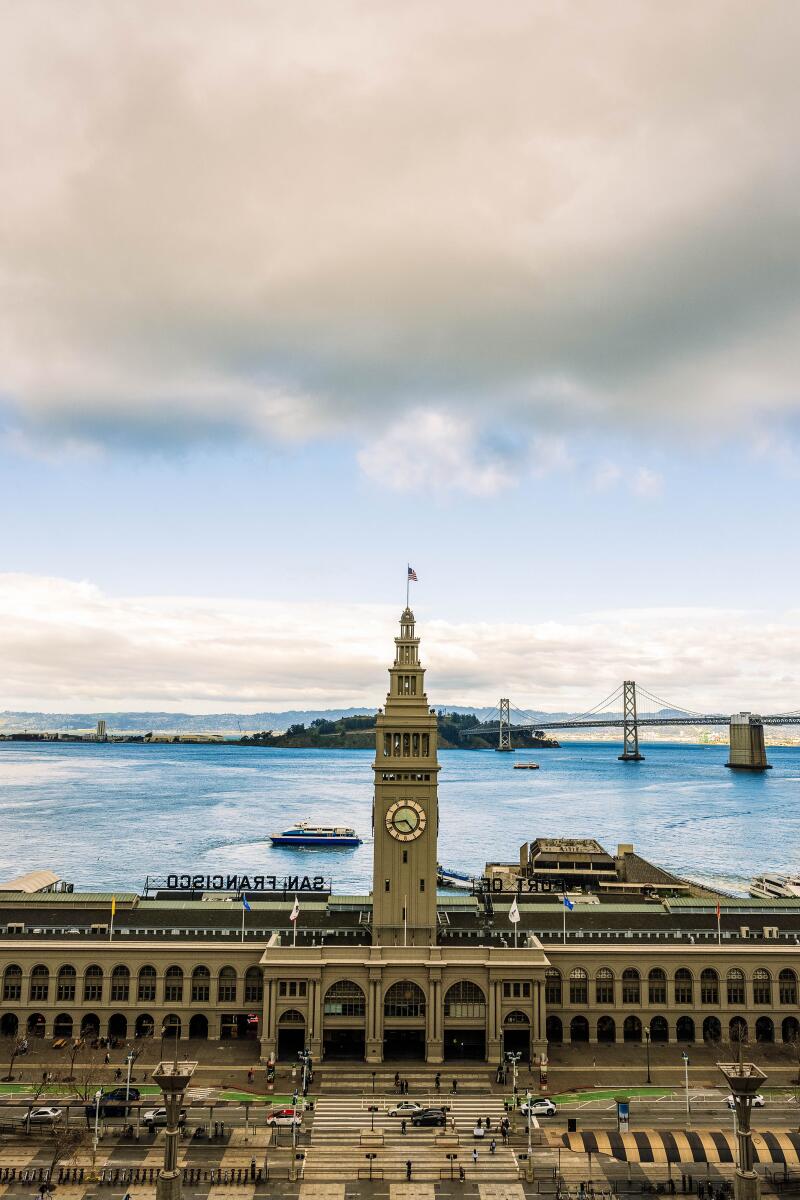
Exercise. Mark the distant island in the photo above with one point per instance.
(358, 733)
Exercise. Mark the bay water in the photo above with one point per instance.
(108, 815)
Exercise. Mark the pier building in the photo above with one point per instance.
(406, 972)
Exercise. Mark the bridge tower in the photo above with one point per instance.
(504, 736)
(630, 736)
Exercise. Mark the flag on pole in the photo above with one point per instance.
(295, 913)
(567, 902)
(412, 574)
(513, 912)
(719, 926)
(113, 905)
(245, 903)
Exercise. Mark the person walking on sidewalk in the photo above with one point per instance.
(475, 1156)
(408, 1168)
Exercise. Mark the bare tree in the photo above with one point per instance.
(67, 1142)
(73, 1051)
(794, 1046)
(86, 1081)
(13, 1046)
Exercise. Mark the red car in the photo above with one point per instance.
(284, 1116)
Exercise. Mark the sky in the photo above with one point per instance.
(294, 295)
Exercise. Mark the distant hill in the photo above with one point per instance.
(233, 724)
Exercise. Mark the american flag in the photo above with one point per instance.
(412, 574)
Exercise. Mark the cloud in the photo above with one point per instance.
(315, 220)
(646, 483)
(68, 646)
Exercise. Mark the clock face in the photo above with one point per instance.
(406, 820)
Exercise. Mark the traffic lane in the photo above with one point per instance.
(762, 1121)
(199, 1115)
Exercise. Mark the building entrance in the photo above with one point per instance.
(408, 1044)
(465, 1045)
(291, 1040)
(344, 1043)
(517, 1041)
(243, 1026)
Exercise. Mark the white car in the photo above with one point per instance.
(158, 1117)
(539, 1108)
(284, 1116)
(44, 1116)
(758, 1101)
(406, 1108)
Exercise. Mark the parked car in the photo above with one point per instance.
(284, 1116)
(155, 1118)
(113, 1104)
(44, 1116)
(121, 1093)
(429, 1116)
(540, 1107)
(758, 1100)
(406, 1108)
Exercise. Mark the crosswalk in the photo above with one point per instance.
(420, 1078)
(342, 1136)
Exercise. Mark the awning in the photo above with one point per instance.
(684, 1146)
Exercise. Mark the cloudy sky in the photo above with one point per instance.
(291, 295)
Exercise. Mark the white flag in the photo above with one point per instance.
(513, 912)
(295, 913)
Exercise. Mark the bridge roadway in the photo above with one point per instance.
(619, 723)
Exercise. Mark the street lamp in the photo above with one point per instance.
(647, 1048)
(173, 1079)
(97, 1096)
(131, 1059)
(374, 1073)
(529, 1164)
(686, 1082)
(744, 1080)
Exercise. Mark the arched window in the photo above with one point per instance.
(93, 983)
(632, 1029)
(173, 985)
(39, 986)
(145, 1026)
(579, 1029)
(606, 1029)
(12, 982)
(517, 1017)
(201, 985)
(344, 999)
(62, 1026)
(787, 987)
(226, 985)
(65, 983)
(147, 984)
(404, 999)
(684, 1029)
(657, 986)
(631, 986)
(291, 1017)
(578, 988)
(762, 987)
(709, 986)
(253, 985)
(604, 986)
(552, 986)
(765, 1030)
(735, 982)
(120, 983)
(684, 989)
(465, 999)
(737, 1030)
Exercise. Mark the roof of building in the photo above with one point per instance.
(33, 881)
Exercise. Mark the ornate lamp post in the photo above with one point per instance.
(744, 1079)
(173, 1079)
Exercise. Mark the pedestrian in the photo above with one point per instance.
(408, 1168)
(474, 1156)
(488, 1123)
(492, 1146)
(455, 1086)
(461, 1175)
(701, 1191)
(479, 1123)
(118, 1073)
(397, 1081)
(107, 1058)
(250, 1075)
(437, 1083)
(403, 1126)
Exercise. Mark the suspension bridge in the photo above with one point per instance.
(629, 708)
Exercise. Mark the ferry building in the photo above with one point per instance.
(407, 972)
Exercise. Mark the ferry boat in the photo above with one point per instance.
(775, 886)
(453, 879)
(306, 834)
(531, 766)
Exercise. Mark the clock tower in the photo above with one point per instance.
(405, 812)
